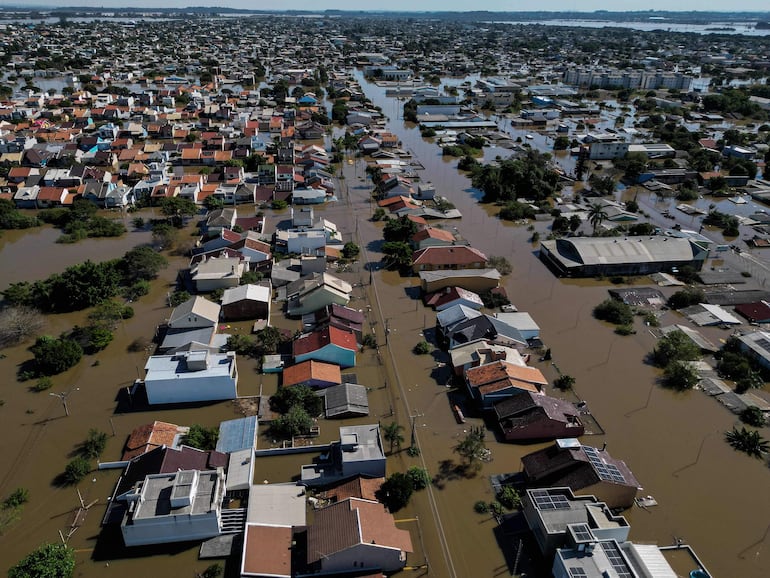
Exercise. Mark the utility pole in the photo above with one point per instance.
(63, 397)
(414, 425)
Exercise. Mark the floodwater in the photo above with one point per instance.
(672, 441)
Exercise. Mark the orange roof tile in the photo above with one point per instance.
(311, 371)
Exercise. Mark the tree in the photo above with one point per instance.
(177, 298)
(54, 356)
(350, 250)
(108, 313)
(686, 297)
(675, 346)
(398, 254)
(296, 395)
(76, 470)
(48, 561)
(747, 441)
(164, 235)
(754, 416)
(392, 434)
(396, 491)
(94, 444)
(241, 344)
(419, 476)
(680, 375)
(502, 265)
(509, 498)
(564, 382)
(614, 311)
(596, 215)
(142, 264)
(422, 348)
(472, 447)
(202, 438)
(269, 339)
(18, 497)
(18, 323)
(177, 208)
(293, 423)
(602, 185)
(399, 230)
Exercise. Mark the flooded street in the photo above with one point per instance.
(709, 496)
(673, 442)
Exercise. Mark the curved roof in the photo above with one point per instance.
(617, 250)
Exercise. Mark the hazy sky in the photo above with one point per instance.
(412, 5)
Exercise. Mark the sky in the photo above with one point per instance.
(412, 5)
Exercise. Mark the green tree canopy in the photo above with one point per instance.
(392, 433)
(614, 311)
(680, 375)
(54, 356)
(294, 422)
(396, 491)
(202, 438)
(398, 254)
(142, 264)
(48, 561)
(296, 395)
(675, 346)
(399, 230)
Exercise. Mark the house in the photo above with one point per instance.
(218, 219)
(341, 317)
(194, 313)
(26, 197)
(591, 256)
(523, 322)
(305, 242)
(345, 400)
(179, 506)
(583, 469)
(217, 273)
(246, 302)
(308, 196)
(359, 451)
(356, 487)
(316, 292)
(332, 345)
(315, 374)
(448, 257)
(527, 416)
(482, 352)
(501, 379)
(147, 437)
(191, 377)
(356, 534)
(483, 327)
(451, 296)
(431, 237)
(51, 197)
(476, 280)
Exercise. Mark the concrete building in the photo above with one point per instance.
(246, 302)
(191, 377)
(358, 452)
(175, 507)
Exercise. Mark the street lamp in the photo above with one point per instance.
(63, 397)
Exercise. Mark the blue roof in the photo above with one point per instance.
(237, 434)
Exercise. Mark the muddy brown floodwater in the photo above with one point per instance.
(710, 496)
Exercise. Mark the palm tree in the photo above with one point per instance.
(392, 434)
(596, 215)
(472, 447)
(747, 441)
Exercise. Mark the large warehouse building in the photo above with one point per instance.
(594, 256)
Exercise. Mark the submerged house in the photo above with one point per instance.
(332, 345)
(527, 416)
(583, 469)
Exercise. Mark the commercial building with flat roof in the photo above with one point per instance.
(592, 256)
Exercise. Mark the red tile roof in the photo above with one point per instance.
(149, 436)
(312, 370)
(330, 335)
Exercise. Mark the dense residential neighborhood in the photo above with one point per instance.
(350, 297)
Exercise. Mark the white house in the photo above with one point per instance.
(190, 377)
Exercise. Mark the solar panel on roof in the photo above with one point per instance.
(576, 572)
(616, 559)
(547, 501)
(582, 533)
(607, 472)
